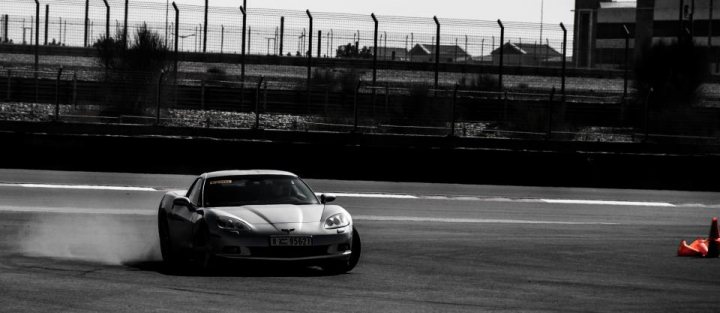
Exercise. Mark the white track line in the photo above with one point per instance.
(390, 196)
(604, 202)
(467, 220)
(379, 218)
(375, 195)
(86, 211)
(80, 187)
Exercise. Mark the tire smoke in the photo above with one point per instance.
(107, 239)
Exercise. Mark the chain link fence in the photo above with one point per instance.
(361, 108)
(318, 71)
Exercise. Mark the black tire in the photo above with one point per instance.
(204, 257)
(169, 257)
(344, 266)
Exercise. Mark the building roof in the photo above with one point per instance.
(532, 49)
(444, 50)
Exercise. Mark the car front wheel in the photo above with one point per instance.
(344, 266)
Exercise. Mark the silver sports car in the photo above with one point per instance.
(256, 215)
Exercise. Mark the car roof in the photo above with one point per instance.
(246, 173)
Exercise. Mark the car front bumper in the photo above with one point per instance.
(257, 247)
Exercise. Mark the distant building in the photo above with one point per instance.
(599, 32)
(599, 35)
(391, 54)
(528, 54)
(482, 59)
(448, 53)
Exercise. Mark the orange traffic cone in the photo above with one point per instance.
(701, 245)
(685, 250)
(713, 241)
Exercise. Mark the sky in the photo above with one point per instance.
(555, 11)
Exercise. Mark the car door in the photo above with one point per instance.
(182, 218)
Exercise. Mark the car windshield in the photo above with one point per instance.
(257, 190)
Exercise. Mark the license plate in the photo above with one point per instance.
(290, 241)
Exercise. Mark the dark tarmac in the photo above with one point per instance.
(488, 248)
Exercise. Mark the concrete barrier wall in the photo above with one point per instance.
(365, 157)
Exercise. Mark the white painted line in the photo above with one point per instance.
(468, 220)
(375, 195)
(77, 211)
(389, 196)
(604, 202)
(80, 187)
(92, 211)
(521, 200)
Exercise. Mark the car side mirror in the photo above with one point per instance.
(183, 201)
(327, 198)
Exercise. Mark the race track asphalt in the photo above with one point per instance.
(434, 248)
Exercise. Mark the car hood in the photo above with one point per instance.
(275, 214)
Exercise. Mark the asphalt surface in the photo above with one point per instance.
(450, 248)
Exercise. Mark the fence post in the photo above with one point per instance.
(5, 28)
(177, 35)
(37, 48)
(47, 15)
(549, 114)
(387, 97)
(564, 60)
(327, 99)
(437, 53)
(627, 61)
(646, 109)
(319, 48)
(9, 85)
(107, 20)
(74, 95)
(355, 107)
(87, 8)
(242, 51)
(125, 26)
(309, 57)
(37, 41)
(502, 55)
(265, 97)
(159, 99)
(710, 30)
(222, 38)
(375, 50)
(452, 111)
(57, 94)
(282, 34)
(202, 94)
(505, 108)
(205, 28)
(257, 103)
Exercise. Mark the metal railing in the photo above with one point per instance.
(361, 108)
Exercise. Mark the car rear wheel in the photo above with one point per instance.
(170, 258)
(344, 266)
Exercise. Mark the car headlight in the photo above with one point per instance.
(231, 224)
(337, 221)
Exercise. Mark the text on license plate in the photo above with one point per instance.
(290, 241)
